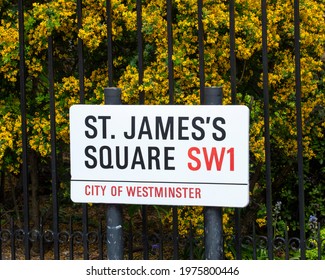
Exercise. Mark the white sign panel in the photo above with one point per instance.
(160, 154)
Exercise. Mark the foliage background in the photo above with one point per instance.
(59, 19)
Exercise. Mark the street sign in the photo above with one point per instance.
(160, 154)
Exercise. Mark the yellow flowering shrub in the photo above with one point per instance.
(10, 127)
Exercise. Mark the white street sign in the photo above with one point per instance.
(160, 154)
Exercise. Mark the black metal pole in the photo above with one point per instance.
(267, 142)
(53, 150)
(114, 211)
(213, 235)
(300, 162)
(80, 55)
(171, 79)
(23, 108)
(233, 81)
(201, 50)
(140, 49)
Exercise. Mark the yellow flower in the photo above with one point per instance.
(261, 222)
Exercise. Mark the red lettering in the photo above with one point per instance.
(87, 191)
(213, 157)
(197, 193)
(131, 191)
(194, 158)
(170, 192)
(95, 190)
(231, 151)
(159, 192)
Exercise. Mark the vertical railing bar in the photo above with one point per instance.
(161, 241)
(267, 145)
(13, 238)
(140, 49)
(233, 66)
(141, 101)
(299, 131)
(254, 242)
(53, 147)
(100, 240)
(191, 241)
(233, 82)
(22, 80)
(145, 232)
(171, 101)
(201, 50)
(170, 51)
(237, 234)
(41, 240)
(130, 243)
(175, 233)
(71, 253)
(109, 42)
(85, 231)
(82, 101)
(80, 55)
(286, 238)
(319, 242)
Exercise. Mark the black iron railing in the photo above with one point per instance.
(20, 241)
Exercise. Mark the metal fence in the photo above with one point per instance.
(83, 234)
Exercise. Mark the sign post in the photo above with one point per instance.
(114, 213)
(213, 232)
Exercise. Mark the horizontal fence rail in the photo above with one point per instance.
(160, 244)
